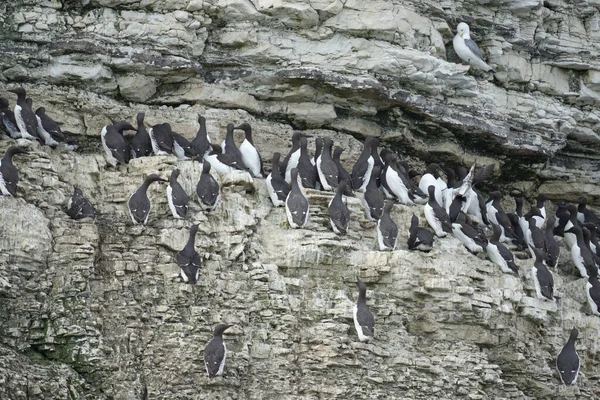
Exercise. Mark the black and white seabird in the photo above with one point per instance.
(201, 143)
(291, 159)
(542, 277)
(114, 143)
(141, 145)
(177, 197)
(139, 204)
(594, 244)
(306, 170)
(519, 224)
(432, 177)
(570, 238)
(456, 206)
(326, 167)
(477, 208)
(222, 163)
(208, 189)
(499, 254)
(562, 217)
(436, 216)
(387, 230)
(372, 199)
(318, 149)
(24, 115)
(215, 352)
(79, 207)
(363, 319)
(342, 173)
(189, 260)
(9, 175)
(7, 120)
(161, 137)
(567, 361)
(474, 240)
(538, 212)
(496, 215)
(48, 129)
(395, 179)
(377, 160)
(536, 237)
(550, 244)
(296, 205)
(229, 147)
(361, 171)
(182, 148)
(585, 215)
(250, 155)
(587, 235)
(419, 238)
(277, 187)
(593, 294)
(339, 213)
(580, 253)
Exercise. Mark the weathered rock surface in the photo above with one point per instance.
(90, 309)
(96, 304)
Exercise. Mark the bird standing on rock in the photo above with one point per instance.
(419, 238)
(387, 230)
(177, 197)
(139, 204)
(115, 145)
(363, 319)
(467, 49)
(141, 145)
(215, 352)
(189, 260)
(79, 207)
(208, 189)
(24, 115)
(339, 214)
(567, 361)
(277, 187)
(326, 167)
(250, 155)
(361, 172)
(296, 205)
(9, 175)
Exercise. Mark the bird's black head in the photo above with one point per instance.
(19, 92)
(155, 178)
(360, 283)
(3, 103)
(246, 127)
(121, 126)
(12, 150)
(219, 329)
(206, 167)
(337, 152)
(174, 175)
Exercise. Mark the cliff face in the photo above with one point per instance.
(90, 309)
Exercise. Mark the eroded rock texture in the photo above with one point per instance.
(91, 310)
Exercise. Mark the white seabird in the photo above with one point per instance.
(467, 49)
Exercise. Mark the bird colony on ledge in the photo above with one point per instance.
(379, 178)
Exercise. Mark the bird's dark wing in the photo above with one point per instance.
(213, 355)
(366, 321)
(474, 48)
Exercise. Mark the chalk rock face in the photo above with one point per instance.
(92, 308)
